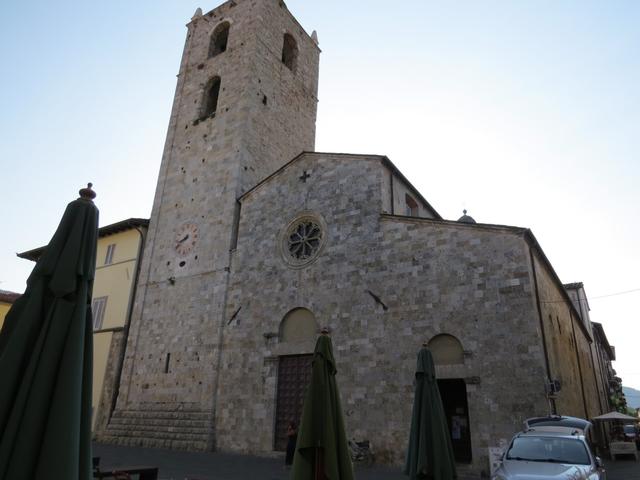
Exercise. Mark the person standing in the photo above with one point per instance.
(292, 437)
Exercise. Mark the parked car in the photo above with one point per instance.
(630, 433)
(558, 421)
(551, 448)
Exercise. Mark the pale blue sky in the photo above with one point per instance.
(526, 113)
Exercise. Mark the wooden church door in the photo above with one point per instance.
(294, 375)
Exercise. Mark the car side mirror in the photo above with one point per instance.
(599, 463)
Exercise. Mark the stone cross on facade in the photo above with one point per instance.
(304, 176)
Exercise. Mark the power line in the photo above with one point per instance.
(617, 293)
(625, 292)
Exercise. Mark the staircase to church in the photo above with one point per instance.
(177, 430)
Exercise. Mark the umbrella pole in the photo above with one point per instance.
(319, 467)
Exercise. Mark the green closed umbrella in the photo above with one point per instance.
(46, 358)
(430, 454)
(322, 452)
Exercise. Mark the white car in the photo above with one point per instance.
(631, 433)
(551, 448)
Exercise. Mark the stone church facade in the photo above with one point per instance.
(256, 242)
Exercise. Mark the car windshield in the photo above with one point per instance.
(549, 449)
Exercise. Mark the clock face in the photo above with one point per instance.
(186, 238)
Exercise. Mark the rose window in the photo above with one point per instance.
(304, 240)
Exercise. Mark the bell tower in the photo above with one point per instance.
(245, 105)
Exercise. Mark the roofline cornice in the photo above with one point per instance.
(112, 229)
(382, 158)
(452, 223)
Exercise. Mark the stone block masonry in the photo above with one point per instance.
(263, 115)
(435, 277)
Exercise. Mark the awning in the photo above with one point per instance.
(616, 416)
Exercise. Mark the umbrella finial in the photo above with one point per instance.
(87, 193)
(325, 331)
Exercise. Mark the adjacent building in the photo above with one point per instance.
(6, 301)
(606, 354)
(118, 257)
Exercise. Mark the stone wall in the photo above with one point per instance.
(568, 347)
(282, 102)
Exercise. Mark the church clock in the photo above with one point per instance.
(186, 238)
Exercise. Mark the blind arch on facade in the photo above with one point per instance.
(446, 350)
(299, 325)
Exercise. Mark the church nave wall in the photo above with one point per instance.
(383, 285)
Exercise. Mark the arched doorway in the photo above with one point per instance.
(298, 327)
(447, 350)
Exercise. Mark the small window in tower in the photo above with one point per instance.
(210, 100)
(411, 206)
(219, 39)
(289, 52)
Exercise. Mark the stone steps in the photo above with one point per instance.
(163, 414)
(178, 430)
(201, 446)
(158, 422)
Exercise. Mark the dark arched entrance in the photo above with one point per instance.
(447, 350)
(298, 327)
(453, 392)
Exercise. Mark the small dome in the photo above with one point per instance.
(466, 218)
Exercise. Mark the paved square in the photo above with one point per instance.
(177, 465)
